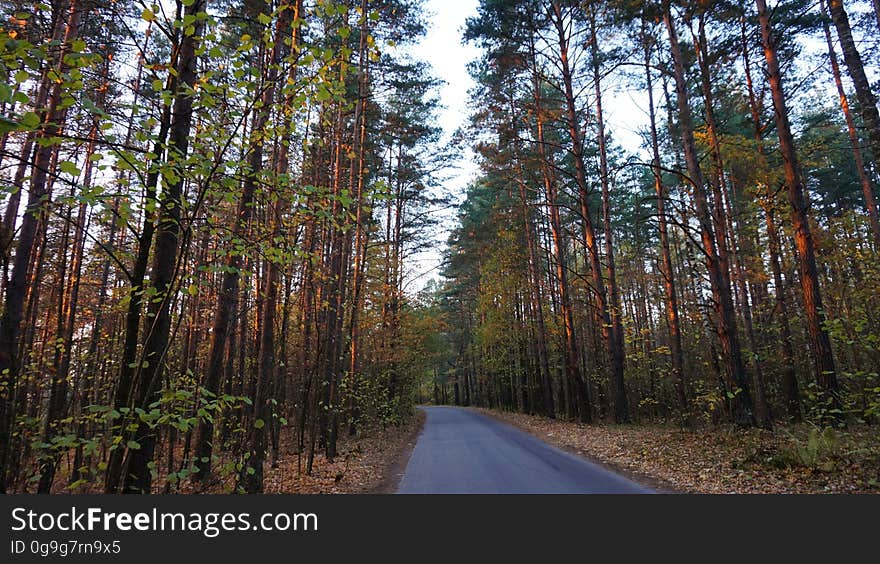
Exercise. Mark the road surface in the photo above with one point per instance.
(462, 451)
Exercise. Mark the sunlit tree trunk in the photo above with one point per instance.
(590, 242)
(864, 179)
(820, 342)
(724, 315)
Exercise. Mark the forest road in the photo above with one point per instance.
(462, 451)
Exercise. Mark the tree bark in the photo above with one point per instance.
(723, 303)
(852, 58)
(864, 179)
(666, 269)
(618, 358)
(589, 233)
(17, 287)
(820, 342)
(148, 373)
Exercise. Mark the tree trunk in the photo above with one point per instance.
(164, 271)
(852, 58)
(820, 342)
(590, 241)
(16, 289)
(723, 224)
(618, 359)
(666, 268)
(723, 302)
(864, 179)
(252, 481)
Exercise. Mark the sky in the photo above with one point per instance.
(625, 115)
(442, 47)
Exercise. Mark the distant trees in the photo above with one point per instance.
(719, 279)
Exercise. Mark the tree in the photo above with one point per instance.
(820, 342)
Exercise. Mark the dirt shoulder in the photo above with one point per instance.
(403, 450)
(369, 464)
(795, 459)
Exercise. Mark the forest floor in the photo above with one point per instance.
(793, 459)
(369, 463)
(366, 464)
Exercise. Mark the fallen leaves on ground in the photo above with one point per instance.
(792, 459)
(361, 466)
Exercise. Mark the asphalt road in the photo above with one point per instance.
(461, 451)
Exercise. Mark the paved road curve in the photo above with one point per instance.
(461, 451)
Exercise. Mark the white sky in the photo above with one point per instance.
(442, 48)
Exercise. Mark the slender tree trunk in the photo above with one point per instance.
(149, 371)
(136, 293)
(866, 97)
(67, 318)
(724, 314)
(618, 358)
(229, 286)
(16, 289)
(590, 241)
(357, 178)
(820, 342)
(571, 352)
(864, 179)
(252, 482)
(536, 301)
(789, 376)
(723, 223)
(666, 269)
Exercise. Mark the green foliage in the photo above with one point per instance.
(816, 452)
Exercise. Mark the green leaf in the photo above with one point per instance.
(68, 167)
(133, 445)
(259, 423)
(30, 120)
